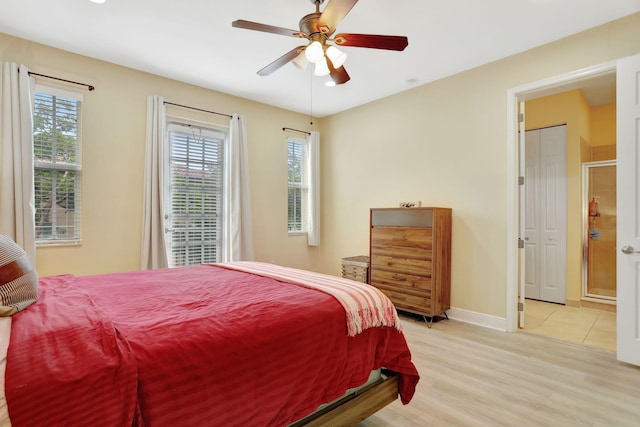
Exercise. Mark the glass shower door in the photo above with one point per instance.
(600, 234)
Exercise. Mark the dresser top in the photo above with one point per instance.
(409, 209)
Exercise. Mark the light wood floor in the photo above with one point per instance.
(474, 376)
(588, 326)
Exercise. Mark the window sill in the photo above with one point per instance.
(298, 233)
(52, 243)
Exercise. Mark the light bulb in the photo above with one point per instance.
(314, 52)
(322, 68)
(336, 56)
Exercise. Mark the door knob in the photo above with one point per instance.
(629, 250)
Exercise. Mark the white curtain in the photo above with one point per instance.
(17, 206)
(154, 248)
(313, 235)
(238, 234)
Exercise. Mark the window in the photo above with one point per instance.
(196, 164)
(298, 201)
(57, 168)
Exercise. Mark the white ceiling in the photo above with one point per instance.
(193, 41)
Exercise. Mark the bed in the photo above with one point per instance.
(246, 344)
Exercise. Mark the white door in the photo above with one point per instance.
(546, 214)
(628, 195)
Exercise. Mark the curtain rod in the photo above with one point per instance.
(296, 130)
(198, 109)
(90, 87)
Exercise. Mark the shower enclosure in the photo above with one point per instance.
(599, 235)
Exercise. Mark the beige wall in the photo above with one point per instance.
(603, 132)
(603, 125)
(113, 138)
(445, 143)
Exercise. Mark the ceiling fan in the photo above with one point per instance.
(318, 29)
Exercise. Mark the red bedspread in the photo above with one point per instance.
(212, 347)
(66, 363)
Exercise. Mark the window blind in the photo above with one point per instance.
(298, 185)
(195, 194)
(57, 166)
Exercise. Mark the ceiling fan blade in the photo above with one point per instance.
(255, 26)
(338, 75)
(284, 59)
(333, 14)
(372, 41)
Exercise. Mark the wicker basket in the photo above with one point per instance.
(356, 268)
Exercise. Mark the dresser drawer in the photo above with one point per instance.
(403, 282)
(418, 262)
(402, 237)
(421, 304)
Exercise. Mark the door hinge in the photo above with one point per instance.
(521, 180)
(520, 244)
(520, 117)
(520, 306)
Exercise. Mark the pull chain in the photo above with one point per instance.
(311, 96)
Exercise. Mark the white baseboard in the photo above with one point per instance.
(480, 319)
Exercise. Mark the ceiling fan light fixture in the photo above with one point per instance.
(322, 69)
(330, 83)
(317, 29)
(301, 61)
(336, 56)
(314, 52)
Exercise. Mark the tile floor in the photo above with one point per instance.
(588, 326)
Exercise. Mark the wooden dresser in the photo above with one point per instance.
(410, 258)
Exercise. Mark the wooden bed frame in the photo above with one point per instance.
(356, 407)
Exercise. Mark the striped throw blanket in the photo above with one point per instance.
(364, 305)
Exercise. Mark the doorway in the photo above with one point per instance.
(555, 156)
(627, 106)
(516, 262)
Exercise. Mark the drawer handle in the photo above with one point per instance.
(400, 297)
(399, 238)
(396, 277)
